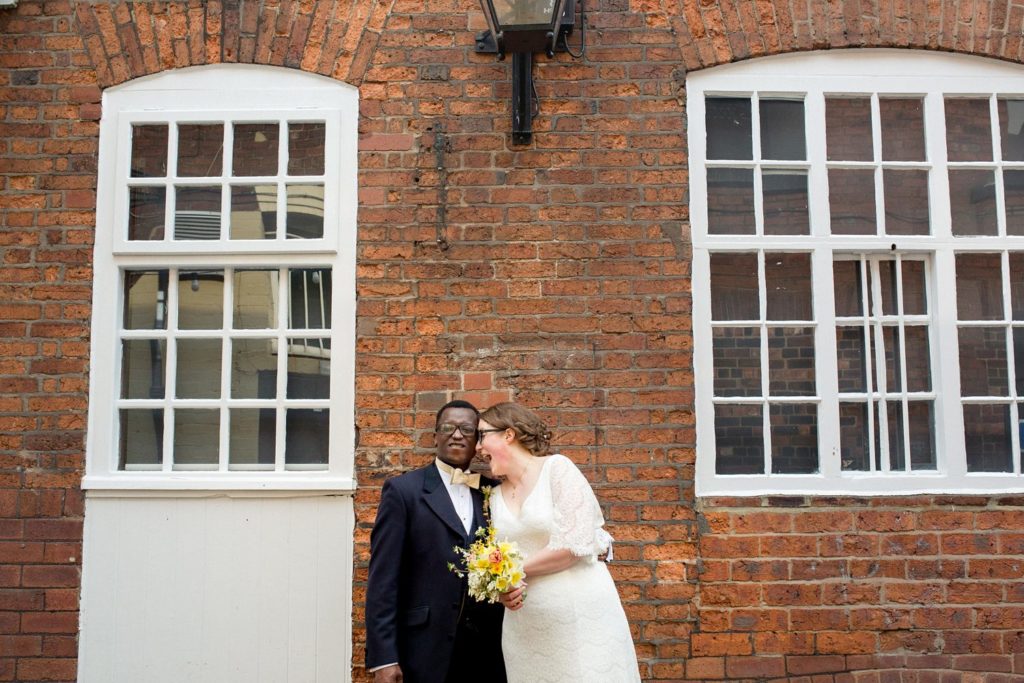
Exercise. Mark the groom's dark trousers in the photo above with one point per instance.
(417, 611)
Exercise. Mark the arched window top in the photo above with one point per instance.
(242, 77)
(865, 62)
(232, 87)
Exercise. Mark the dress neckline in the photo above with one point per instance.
(543, 467)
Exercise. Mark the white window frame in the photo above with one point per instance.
(224, 93)
(851, 72)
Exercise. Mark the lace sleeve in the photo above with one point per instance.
(578, 520)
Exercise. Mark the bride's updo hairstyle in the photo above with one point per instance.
(530, 430)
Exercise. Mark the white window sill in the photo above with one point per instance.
(229, 483)
(863, 484)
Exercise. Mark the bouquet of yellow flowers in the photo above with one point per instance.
(493, 567)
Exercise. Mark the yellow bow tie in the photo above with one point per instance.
(470, 479)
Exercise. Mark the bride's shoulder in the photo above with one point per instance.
(559, 462)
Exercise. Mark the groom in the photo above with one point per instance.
(421, 626)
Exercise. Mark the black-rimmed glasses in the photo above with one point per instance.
(485, 432)
(448, 428)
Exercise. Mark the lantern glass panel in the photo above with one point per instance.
(512, 14)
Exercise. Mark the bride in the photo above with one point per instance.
(568, 625)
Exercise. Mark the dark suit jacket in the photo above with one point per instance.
(414, 603)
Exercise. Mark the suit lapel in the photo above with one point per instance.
(479, 520)
(437, 499)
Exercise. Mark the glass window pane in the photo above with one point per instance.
(731, 201)
(253, 437)
(739, 439)
(785, 203)
(791, 361)
(902, 129)
(852, 352)
(149, 150)
(309, 369)
(734, 289)
(200, 299)
(143, 366)
(306, 144)
(737, 361)
(198, 372)
(906, 202)
(848, 128)
(314, 347)
(853, 437)
(729, 128)
(972, 202)
(918, 365)
(894, 423)
(851, 200)
(145, 300)
(846, 281)
(253, 212)
(987, 435)
(1011, 129)
(979, 287)
(887, 287)
(146, 210)
(255, 149)
(968, 130)
(1020, 432)
(196, 438)
(253, 368)
(1018, 359)
(197, 213)
(782, 129)
(1017, 284)
(200, 149)
(255, 305)
(141, 438)
(788, 286)
(310, 298)
(893, 360)
(794, 438)
(305, 218)
(922, 435)
(915, 301)
(983, 368)
(306, 436)
(1013, 191)
(878, 413)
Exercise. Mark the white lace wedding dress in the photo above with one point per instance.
(571, 626)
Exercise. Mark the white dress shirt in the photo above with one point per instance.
(460, 494)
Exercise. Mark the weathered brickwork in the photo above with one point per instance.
(556, 274)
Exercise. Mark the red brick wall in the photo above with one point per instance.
(555, 273)
(795, 586)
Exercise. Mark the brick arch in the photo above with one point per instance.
(335, 38)
(712, 33)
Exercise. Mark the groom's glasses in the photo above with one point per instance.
(448, 428)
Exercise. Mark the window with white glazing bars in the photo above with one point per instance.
(226, 265)
(858, 270)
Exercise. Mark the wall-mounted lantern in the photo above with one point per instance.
(522, 27)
